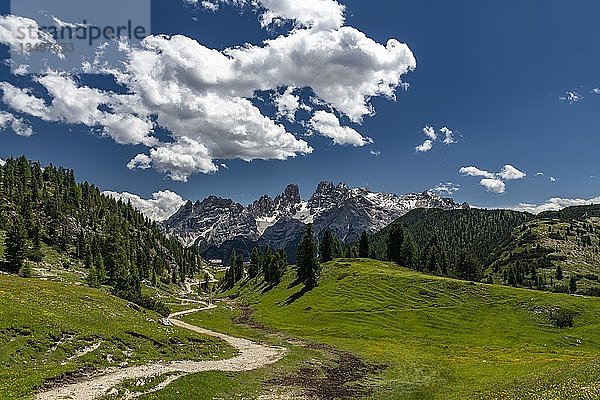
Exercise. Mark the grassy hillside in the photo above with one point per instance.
(569, 239)
(438, 337)
(51, 331)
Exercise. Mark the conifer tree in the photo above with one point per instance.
(408, 252)
(394, 243)
(327, 246)
(363, 246)
(559, 273)
(16, 245)
(572, 285)
(254, 268)
(308, 268)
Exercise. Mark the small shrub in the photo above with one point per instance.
(562, 318)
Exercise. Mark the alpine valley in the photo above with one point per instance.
(218, 226)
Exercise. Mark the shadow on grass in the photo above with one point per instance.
(297, 295)
(294, 284)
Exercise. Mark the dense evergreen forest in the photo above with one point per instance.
(444, 241)
(117, 244)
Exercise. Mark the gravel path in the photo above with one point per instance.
(251, 356)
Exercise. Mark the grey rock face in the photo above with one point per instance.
(280, 222)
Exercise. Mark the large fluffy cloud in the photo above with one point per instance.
(555, 204)
(204, 97)
(75, 104)
(161, 206)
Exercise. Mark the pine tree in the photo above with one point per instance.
(279, 266)
(409, 252)
(559, 273)
(468, 267)
(326, 247)
(363, 246)
(238, 267)
(394, 243)
(16, 245)
(254, 268)
(572, 285)
(36, 253)
(308, 268)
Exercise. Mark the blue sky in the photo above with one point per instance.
(492, 72)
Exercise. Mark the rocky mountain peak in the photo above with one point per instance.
(218, 225)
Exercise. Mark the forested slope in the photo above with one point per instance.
(47, 207)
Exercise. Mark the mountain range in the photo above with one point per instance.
(217, 226)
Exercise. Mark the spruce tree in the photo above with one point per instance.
(408, 252)
(16, 245)
(363, 246)
(559, 273)
(308, 268)
(394, 243)
(572, 285)
(254, 268)
(327, 246)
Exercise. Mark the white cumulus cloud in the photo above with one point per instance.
(510, 173)
(571, 97)
(287, 104)
(328, 125)
(161, 206)
(432, 136)
(430, 132)
(474, 171)
(494, 182)
(493, 185)
(315, 14)
(448, 136)
(22, 35)
(425, 146)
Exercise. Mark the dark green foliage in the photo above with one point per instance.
(572, 213)
(559, 273)
(235, 272)
(329, 248)
(77, 219)
(363, 246)
(16, 245)
(572, 285)
(255, 259)
(394, 242)
(479, 232)
(308, 267)
(562, 318)
(468, 267)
